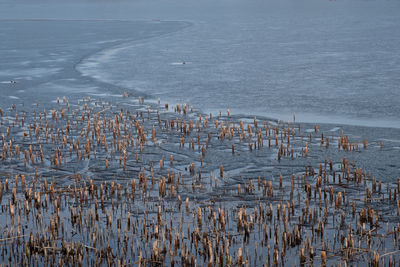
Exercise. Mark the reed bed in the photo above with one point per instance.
(89, 183)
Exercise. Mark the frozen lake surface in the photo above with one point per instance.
(326, 61)
(107, 174)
